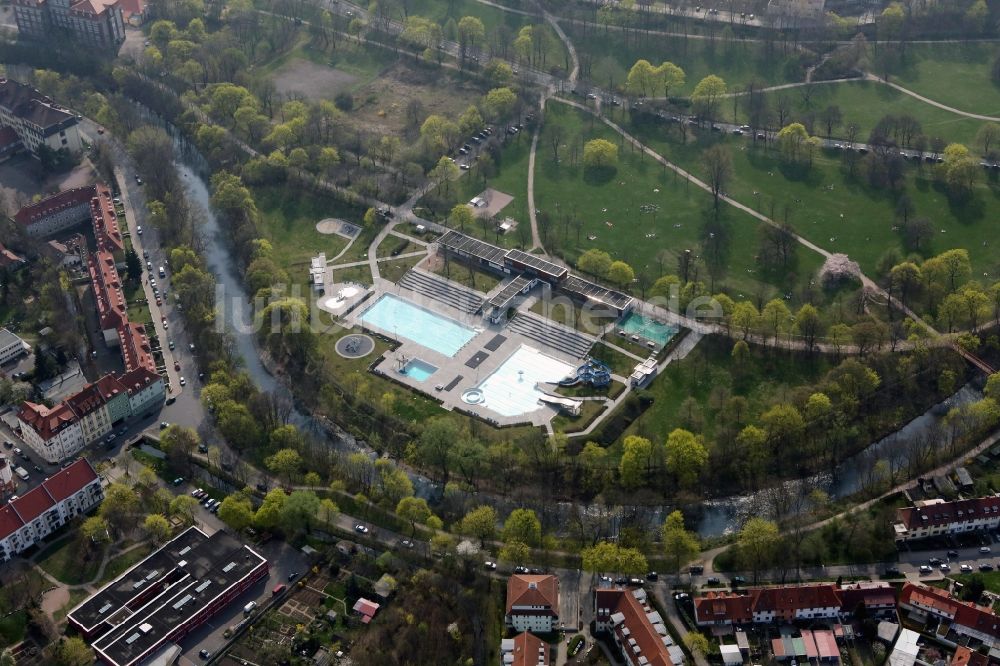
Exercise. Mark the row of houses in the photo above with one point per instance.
(30, 120)
(821, 601)
(61, 431)
(95, 23)
(937, 517)
(960, 622)
(26, 520)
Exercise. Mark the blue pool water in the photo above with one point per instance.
(650, 329)
(418, 370)
(398, 317)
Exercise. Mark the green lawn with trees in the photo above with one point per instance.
(288, 219)
(957, 74)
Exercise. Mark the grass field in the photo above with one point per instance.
(639, 211)
(840, 212)
(118, 565)
(610, 56)
(955, 74)
(865, 103)
(288, 219)
(64, 562)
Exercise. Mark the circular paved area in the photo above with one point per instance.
(355, 346)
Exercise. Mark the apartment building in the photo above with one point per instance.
(54, 433)
(959, 621)
(525, 649)
(532, 603)
(28, 519)
(96, 23)
(789, 603)
(57, 212)
(936, 517)
(35, 118)
(638, 630)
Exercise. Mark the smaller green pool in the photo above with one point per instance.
(647, 328)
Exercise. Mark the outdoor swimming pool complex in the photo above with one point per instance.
(399, 317)
(650, 329)
(510, 389)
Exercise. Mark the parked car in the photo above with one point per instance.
(492, 566)
(892, 572)
(953, 553)
(361, 529)
(984, 550)
(178, 481)
(965, 568)
(653, 576)
(712, 580)
(739, 580)
(986, 566)
(925, 569)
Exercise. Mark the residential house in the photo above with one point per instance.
(11, 346)
(637, 629)
(116, 398)
(96, 23)
(146, 390)
(108, 295)
(28, 519)
(57, 212)
(35, 118)
(532, 603)
(525, 649)
(793, 602)
(935, 517)
(54, 433)
(91, 411)
(959, 620)
(9, 258)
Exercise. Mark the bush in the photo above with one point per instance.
(344, 101)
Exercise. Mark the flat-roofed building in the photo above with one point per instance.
(11, 346)
(163, 598)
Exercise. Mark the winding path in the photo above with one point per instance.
(926, 100)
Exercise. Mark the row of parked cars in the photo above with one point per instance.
(206, 501)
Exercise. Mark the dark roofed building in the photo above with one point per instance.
(166, 596)
(35, 118)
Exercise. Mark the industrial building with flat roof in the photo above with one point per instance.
(166, 596)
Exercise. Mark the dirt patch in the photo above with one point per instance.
(381, 105)
(495, 200)
(332, 225)
(306, 78)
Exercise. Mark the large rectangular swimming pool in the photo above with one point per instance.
(510, 389)
(650, 329)
(398, 317)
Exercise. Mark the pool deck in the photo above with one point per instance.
(449, 368)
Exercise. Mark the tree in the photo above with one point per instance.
(268, 515)
(285, 462)
(706, 95)
(299, 510)
(696, 643)
(514, 551)
(808, 325)
(670, 76)
(686, 457)
(642, 79)
(960, 169)
(745, 318)
(414, 510)
(179, 443)
(133, 265)
(600, 154)
(776, 317)
(157, 527)
(119, 507)
(637, 453)
(471, 121)
(470, 32)
(718, 165)
(499, 102)
(460, 216)
(679, 545)
(795, 143)
(596, 262)
(443, 173)
(611, 557)
(480, 523)
(522, 525)
(438, 134)
(620, 274)
(183, 507)
(95, 530)
(988, 139)
(758, 541)
(72, 651)
(236, 512)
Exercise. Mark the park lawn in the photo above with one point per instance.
(589, 411)
(116, 566)
(865, 103)
(288, 218)
(395, 269)
(360, 274)
(678, 222)
(471, 276)
(952, 73)
(393, 246)
(13, 627)
(739, 63)
(619, 363)
(851, 217)
(770, 376)
(363, 63)
(65, 563)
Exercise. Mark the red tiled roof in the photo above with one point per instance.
(138, 379)
(8, 258)
(32, 504)
(107, 289)
(870, 594)
(132, 7)
(45, 421)
(526, 650)
(533, 590)
(649, 643)
(109, 386)
(943, 513)
(40, 499)
(105, 219)
(135, 347)
(9, 521)
(740, 608)
(716, 606)
(78, 196)
(794, 598)
(966, 614)
(68, 481)
(92, 8)
(85, 401)
(966, 657)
